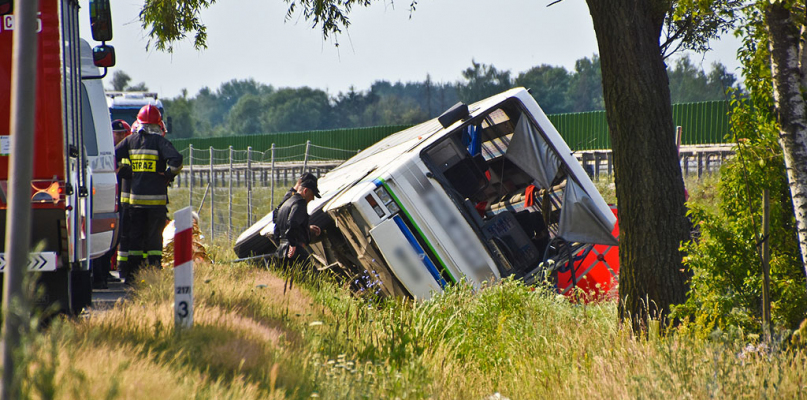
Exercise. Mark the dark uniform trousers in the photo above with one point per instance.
(145, 196)
(146, 236)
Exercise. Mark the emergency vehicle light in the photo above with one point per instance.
(48, 191)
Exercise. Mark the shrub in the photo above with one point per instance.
(726, 288)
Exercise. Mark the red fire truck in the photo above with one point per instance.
(61, 189)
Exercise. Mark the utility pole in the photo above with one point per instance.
(18, 223)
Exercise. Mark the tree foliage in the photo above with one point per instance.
(483, 81)
(585, 85)
(182, 115)
(726, 260)
(120, 82)
(169, 21)
(692, 24)
(688, 83)
(241, 107)
(549, 86)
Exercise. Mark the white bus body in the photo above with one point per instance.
(493, 194)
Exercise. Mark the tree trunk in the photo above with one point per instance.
(789, 87)
(649, 183)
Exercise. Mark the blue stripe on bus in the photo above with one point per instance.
(419, 250)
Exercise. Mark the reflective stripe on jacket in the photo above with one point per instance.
(153, 161)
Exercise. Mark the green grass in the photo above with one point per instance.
(263, 333)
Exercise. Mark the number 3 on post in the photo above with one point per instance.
(183, 269)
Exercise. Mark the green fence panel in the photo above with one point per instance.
(583, 131)
(289, 146)
(702, 123)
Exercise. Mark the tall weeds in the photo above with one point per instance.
(268, 333)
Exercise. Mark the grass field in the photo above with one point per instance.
(262, 333)
(273, 334)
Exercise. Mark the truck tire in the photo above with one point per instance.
(80, 291)
(57, 294)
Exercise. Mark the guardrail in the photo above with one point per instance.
(693, 159)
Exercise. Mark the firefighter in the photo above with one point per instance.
(120, 129)
(154, 163)
(292, 227)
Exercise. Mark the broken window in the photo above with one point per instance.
(510, 183)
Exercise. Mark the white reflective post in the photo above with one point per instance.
(183, 268)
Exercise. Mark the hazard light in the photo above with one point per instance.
(46, 192)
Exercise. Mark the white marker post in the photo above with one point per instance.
(183, 268)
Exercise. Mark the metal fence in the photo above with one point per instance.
(349, 138)
(232, 189)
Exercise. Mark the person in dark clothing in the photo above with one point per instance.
(307, 176)
(154, 163)
(292, 228)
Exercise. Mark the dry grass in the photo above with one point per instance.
(263, 334)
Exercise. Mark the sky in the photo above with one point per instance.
(252, 39)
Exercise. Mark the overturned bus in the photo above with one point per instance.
(483, 192)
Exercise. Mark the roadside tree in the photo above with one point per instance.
(774, 56)
(649, 184)
(549, 86)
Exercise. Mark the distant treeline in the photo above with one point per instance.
(244, 107)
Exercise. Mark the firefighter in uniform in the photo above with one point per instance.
(154, 163)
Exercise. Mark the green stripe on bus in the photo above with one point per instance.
(417, 228)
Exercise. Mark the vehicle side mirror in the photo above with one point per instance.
(6, 7)
(103, 56)
(169, 125)
(100, 20)
(456, 113)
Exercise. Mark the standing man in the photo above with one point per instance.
(154, 163)
(292, 229)
(304, 177)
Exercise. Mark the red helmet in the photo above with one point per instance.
(149, 114)
(121, 125)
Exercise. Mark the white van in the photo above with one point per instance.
(483, 192)
(100, 148)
